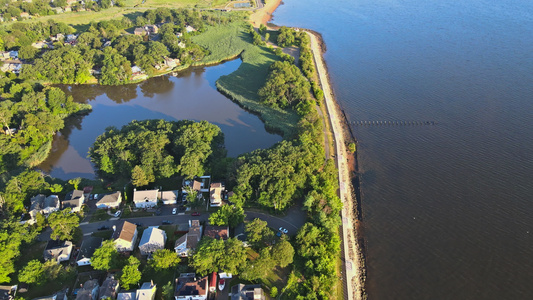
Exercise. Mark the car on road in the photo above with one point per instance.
(184, 197)
(195, 214)
(95, 197)
(103, 227)
(174, 210)
(117, 214)
(283, 230)
(166, 222)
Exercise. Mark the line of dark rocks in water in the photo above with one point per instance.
(392, 123)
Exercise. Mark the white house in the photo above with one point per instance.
(110, 200)
(146, 292)
(145, 199)
(152, 239)
(215, 194)
(169, 197)
(125, 236)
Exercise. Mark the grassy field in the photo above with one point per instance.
(225, 42)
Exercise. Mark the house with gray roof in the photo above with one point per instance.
(61, 295)
(57, 250)
(109, 288)
(190, 287)
(74, 200)
(112, 200)
(146, 292)
(152, 239)
(89, 290)
(44, 205)
(145, 199)
(247, 292)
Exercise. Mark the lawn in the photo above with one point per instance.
(228, 41)
(99, 215)
(105, 234)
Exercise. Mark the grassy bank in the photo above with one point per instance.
(226, 42)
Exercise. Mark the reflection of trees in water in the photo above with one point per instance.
(82, 93)
(156, 85)
(121, 93)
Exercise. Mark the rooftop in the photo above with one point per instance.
(125, 231)
(109, 198)
(188, 285)
(217, 232)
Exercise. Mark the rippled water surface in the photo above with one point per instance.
(191, 95)
(448, 209)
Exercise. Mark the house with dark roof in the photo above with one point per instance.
(110, 200)
(190, 287)
(125, 236)
(57, 250)
(186, 244)
(89, 290)
(61, 295)
(74, 200)
(217, 232)
(152, 239)
(88, 246)
(109, 288)
(140, 31)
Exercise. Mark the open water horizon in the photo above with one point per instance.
(447, 209)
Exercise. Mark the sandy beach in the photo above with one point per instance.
(262, 16)
(354, 266)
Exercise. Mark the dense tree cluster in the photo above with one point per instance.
(151, 149)
(12, 236)
(275, 177)
(219, 255)
(227, 215)
(285, 86)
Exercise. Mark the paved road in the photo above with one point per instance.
(293, 220)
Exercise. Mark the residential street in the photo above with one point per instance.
(293, 220)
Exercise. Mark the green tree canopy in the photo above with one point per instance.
(164, 259)
(148, 150)
(285, 86)
(130, 273)
(105, 257)
(283, 253)
(33, 272)
(63, 224)
(230, 215)
(218, 255)
(258, 232)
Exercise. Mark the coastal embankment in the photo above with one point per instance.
(354, 265)
(263, 15)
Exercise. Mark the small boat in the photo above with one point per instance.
(221, 284)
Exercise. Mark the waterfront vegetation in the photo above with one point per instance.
(267, 83)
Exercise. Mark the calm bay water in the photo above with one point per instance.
(448, 210)
(191, 95)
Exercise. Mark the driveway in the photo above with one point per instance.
(292, 221)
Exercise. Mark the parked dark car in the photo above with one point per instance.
(139, 224)
(195, 214)
(103, 227)
(158, 212)
(166, 222)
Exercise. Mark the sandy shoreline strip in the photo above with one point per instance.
(352, 251)
(262, 16)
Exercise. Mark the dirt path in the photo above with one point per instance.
(351, 249)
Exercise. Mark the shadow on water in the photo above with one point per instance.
(189, 95)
